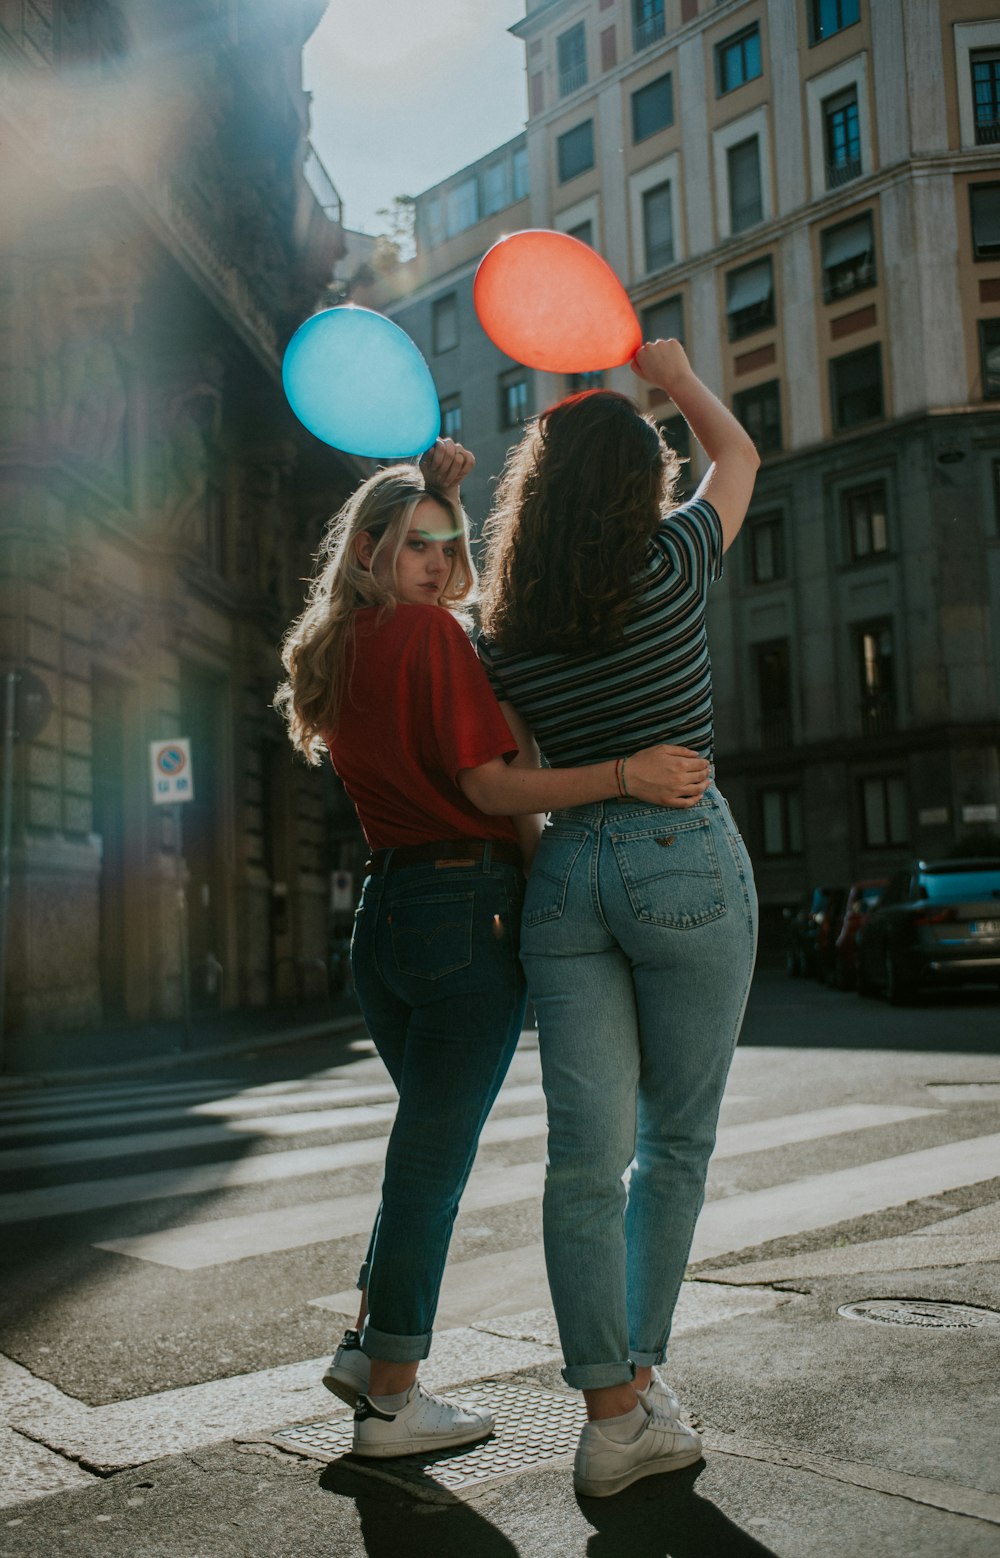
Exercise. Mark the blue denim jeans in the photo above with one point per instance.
(437, 975)
(638, 938)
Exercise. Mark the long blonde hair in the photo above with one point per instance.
(317, 651)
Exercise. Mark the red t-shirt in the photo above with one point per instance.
(417, 708)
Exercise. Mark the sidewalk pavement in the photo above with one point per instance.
(76, 1055)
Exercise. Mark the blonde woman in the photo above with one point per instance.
(383, 676)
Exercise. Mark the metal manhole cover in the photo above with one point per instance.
(533, 1428)
(931, 1314)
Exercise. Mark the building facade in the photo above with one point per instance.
(807, 192)
(166, 226)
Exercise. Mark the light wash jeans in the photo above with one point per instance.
(435, 966)
(638, 938)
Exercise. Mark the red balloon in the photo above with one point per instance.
(550, 302)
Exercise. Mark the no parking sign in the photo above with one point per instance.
(173, 780)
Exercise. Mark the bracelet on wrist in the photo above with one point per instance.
(625, 791)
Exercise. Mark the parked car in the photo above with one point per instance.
(827, 927)
(802, 932)
(861, 900)
(938, 920)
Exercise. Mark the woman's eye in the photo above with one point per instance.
(451, 551)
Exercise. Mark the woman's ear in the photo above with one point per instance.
(363, 548)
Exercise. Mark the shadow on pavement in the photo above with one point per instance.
(664, 1517)
(395, 1524)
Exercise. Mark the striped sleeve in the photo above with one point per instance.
(487, 659)
(691, 536)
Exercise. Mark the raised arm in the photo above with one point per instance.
(728, 483)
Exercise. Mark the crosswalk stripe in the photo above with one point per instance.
(224, 1239)
(734, 1140)
(756, 1216)
(91, 1101)
(290, 1105)
(91, 1194)
(192, 1246)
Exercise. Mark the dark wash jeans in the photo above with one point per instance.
(435, 960)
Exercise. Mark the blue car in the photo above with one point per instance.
(937, 921)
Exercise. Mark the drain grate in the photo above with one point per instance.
(533, 1428)
(935, 1315)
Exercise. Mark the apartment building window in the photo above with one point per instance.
(513, 398)
(759, 410)
(496, 191)
(865, 521)
(575, 151)
(989, 352)
(750, 298)
(451, 417)
(986, 95)
(658, 226)
(584, 231)
(737, 60)
(571, 53)
(653, 108)
(766, 534)
(575, 382)
(648, 23)
(521, 184)
(984, 201)
(444, 323)
(746, 201)
(781, 821)
(773, 680)
(827, 17)
(462, 204)
(842, 138)
(848, 257)
(663, 321)
(876, 678)
(856, 388)
(884, 811)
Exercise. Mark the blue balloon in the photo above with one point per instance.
(357, 381)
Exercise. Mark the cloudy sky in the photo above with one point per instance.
(405, 94)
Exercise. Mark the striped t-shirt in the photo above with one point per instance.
(656, 686)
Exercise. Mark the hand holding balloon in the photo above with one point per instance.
(446, 465)
(663, 363)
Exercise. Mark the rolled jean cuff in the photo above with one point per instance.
(648, 1360)
(363, 1275)
(393, 1348)
(598, 1376)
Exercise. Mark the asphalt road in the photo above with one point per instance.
(180, 1251)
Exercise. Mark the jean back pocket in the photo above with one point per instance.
(671, 874)
(431, 933)
(545, 897)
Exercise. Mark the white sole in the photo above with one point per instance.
(420, 1446)
(604, 1487)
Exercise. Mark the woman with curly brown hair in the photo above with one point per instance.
(639, 923)
(382, 677)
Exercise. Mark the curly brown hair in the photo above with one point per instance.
(578, 500)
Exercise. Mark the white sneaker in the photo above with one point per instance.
(347, 1376)
(425, 1423)
(604, 1466)
(658, 1395)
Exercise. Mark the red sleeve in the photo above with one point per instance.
(464, 727)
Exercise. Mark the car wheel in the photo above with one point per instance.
(862, 983)
(899, 990)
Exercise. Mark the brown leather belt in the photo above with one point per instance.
(446, 852)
